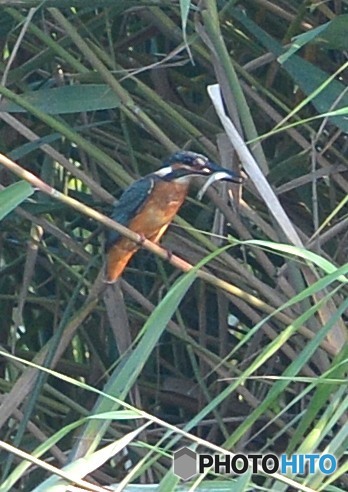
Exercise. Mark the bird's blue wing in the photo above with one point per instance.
(129, 205)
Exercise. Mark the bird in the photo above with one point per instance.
(148, 206)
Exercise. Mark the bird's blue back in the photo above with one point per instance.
(129, 205)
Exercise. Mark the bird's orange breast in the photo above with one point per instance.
(150, 222)
(159, 209)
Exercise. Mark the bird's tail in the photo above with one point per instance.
(117, 260)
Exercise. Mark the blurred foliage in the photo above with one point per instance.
(95, 97)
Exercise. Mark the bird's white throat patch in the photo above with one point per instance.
(169, 169)
(164, 171)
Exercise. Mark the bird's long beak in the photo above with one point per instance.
(219, 174)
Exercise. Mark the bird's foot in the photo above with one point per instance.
(142, 239)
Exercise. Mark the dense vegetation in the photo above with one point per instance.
(246, 354)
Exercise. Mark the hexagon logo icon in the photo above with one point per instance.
(185, 463)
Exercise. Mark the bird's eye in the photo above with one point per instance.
(201, 164)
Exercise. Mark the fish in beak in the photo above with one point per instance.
(219, 174)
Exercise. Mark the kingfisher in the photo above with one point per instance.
(148, 206)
